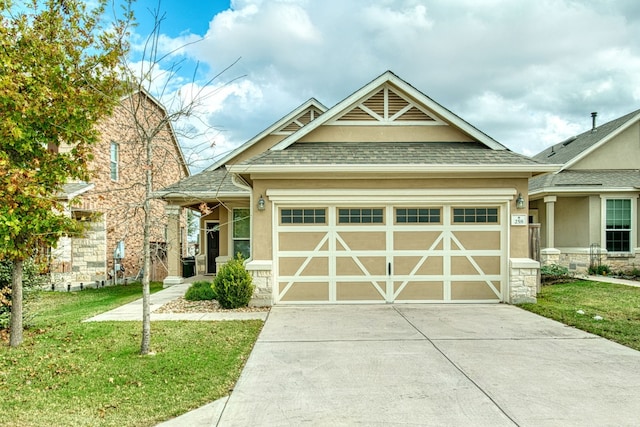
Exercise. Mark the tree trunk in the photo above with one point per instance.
(16, 304)
(146, 295)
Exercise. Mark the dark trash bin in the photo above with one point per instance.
(188, 266)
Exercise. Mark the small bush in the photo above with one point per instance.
(32, 282)
(233, 286)
(554, 273)
(200, 291)
(600, 270)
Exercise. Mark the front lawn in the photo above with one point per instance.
(618, 305)
(90, 374)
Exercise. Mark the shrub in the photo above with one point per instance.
(233, 286)
(32, 282)
(600, 270)
(199, 291)
(554, 273)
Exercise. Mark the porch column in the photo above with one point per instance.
(173, 246)
(550, 255)
(550, 201)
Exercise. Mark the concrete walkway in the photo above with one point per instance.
(133, 310)
(614, 280)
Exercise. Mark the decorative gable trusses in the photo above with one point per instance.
(389, 100)
(292, 122)
(388, 106)
(303, 119)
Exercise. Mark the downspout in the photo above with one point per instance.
(238, 181)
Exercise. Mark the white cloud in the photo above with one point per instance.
(526, 73)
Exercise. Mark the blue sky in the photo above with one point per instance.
(527, 73)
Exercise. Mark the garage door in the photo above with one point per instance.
(393, 253)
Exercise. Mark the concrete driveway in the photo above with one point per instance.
(432, 365)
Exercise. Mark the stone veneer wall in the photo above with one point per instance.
(578, 261)
(524, 280)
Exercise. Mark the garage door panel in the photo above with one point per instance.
(405, 265)
(473, 290)
(447, 260)
(477, 240)
(302, 241)
(419, 291)
(304, 291)
(417, 240)
(359, 291)
(357, 241)
(365, 265)
(311, 266)
(480, 265)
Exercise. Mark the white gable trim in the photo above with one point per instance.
(389, 77)
(271, 129)
(600, 143)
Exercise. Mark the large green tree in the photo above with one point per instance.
(58, 77)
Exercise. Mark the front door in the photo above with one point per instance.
(213, 246)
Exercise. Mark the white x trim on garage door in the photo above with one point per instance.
(340, 251)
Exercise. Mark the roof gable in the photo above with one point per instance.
(575, 149)
(389, 100)
(299, 117)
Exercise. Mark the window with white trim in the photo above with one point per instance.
(115, 157)
(241, 232)
(475, 215)
(303, 216)
(418, 215)
(618, 225)
(361, 216)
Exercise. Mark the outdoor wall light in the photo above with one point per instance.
(261, 203)
(520, 202)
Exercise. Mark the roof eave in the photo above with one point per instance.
(400, 168)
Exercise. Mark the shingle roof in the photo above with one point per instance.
(567, 150)
(207, 181)
(598, 179)
(389, 153)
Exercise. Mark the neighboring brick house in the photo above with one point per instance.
(112, 202)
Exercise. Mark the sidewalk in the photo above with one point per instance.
(133, 310)
(614, 280)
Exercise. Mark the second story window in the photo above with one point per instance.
(115, 157)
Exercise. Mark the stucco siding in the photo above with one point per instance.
(340, 133)
(572, 221)
(622, 152)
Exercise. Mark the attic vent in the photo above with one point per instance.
(569, 141)
(302, 120)
(357, 114)
(386, 105)
(291, 127)
(413, 114)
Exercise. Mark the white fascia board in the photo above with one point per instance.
(422, 196)
(312, 102)
(197, 195)
(388, 76)
(400, 169)
(600, 143)
(578, 191)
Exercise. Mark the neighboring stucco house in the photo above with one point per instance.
(111, 203)
(588, 209)
(385, 197)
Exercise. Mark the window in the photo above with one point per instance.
(360, 216)
(618, 225)
(115, 154)
(241, 232)
(303, 216)
(475, 215)
(421, 215)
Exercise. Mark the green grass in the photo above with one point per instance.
(72, 373)
(618, 305)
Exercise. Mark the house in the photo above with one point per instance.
(385, 197)
(588, 209)
(111, 203)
